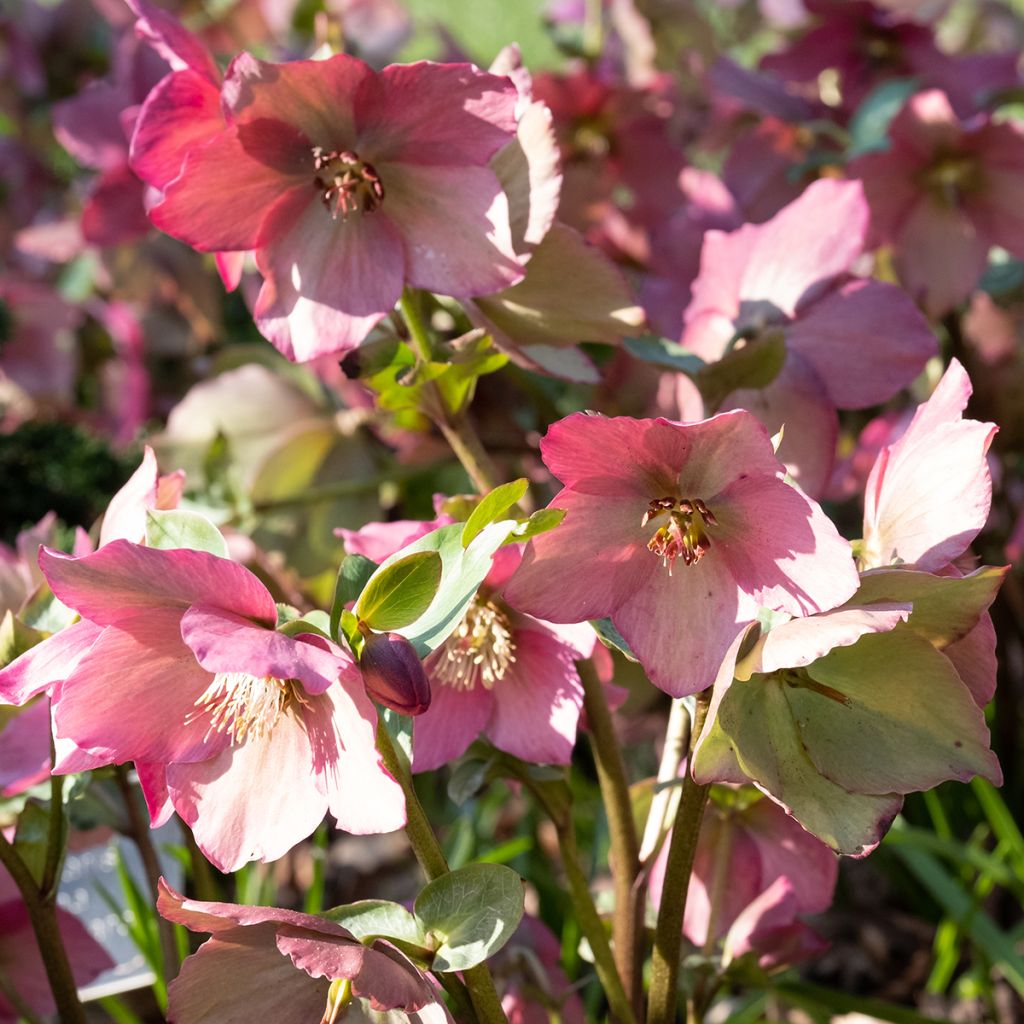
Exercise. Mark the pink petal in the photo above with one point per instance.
(436, 114)
(125, 517)
(230, 266)
(863, 322)
(974, 658)
(25, 749)
(225, 642)
(454, 719)
(254, 800)
(40, 667)
(153, 782)
(327, 282)
(133, 696)
(115, 212)
(537, 704)
(454, 223)
(179, 47)
(124, 578)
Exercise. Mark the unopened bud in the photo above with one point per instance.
(393, 673)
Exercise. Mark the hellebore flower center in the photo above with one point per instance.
(246, 706)
(346, 183)
(951, 177)
(481, 649)
(684, 535)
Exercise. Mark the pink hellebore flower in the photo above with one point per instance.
(21, 966)
(176, 664)
(755, 874)
(349, 184)
(280, 965)
(943, 193)
(678, 532)
(850, 342)
(500, 673)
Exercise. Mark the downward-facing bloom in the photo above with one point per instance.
(849, 342)
(678, 532)
(348, 184)
(280, 965)
(501, 673)
(176, 664)
(755, 874)
(944, 192)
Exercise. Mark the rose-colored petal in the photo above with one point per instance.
(87, 125)
(974, 658)
(230, 266)
(454, 226)
(537, 703)
(25, 749)
(153, 782)
(455, 718)
(125, 517)
(378, 541)
(179, 47)
(122, 579)
(225, 642)
(863, 323)
(327, 281)
(115, 212)
(133, 695)
(40, 667)
(253, 801)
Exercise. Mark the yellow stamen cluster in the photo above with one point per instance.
(684, 535)
(479, 651)
(246, 706)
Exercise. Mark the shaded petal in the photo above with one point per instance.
(50, 661)
(25, 748)
(454, 719)
(327, 281)
(133, 696)
(225, 642)
(537, 704)
(454, 225)
(179, 47)
(974, 658)
(124, 578)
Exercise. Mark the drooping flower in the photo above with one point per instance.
(282, 965)
(176, 663)
(944, 192)
(836, 716)
(501, 673)
(677, 532)
(348, 184)
(789, 280)
(756, 873)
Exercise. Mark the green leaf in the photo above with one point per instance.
(752, 365)
(816, 997)
(178, 528)
(399, 592)
(16, 638)
(662, 352)
(541, 521)
(353, 575)
(612, 638)
(462, 572)
(869, 126)
(492, 507)
(370, 919)
(31, 836)
(315, 621)
(473, 912)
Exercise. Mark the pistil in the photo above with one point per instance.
(346, 183)
(685, 533)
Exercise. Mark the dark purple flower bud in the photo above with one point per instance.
(393, 673)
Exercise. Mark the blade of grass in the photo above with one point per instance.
(812, 997)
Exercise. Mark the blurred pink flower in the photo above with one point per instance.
(944, 192)
(677, 532)
(402, 191)
(176, 663)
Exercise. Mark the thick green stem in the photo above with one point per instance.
(42, 913)
(628, 917)
(668, 932)
(138, 831)
(427, 849)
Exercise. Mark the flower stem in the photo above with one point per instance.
(668, 932)
(138, 831)
(42, 913)
(427, 849)
(666, 795)
(628, 918)
(456, 428)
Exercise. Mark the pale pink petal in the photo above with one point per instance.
(40, 667)
(378, 541)
(454, 719)
(179, 47)
(230, 266)
(124, 578)
(134, 695)
(863, 323)
(25, 749)
(327, 282)
(782, 549)
(537, 703)
(768, 925)
(225, 642)
(454, 224)
(125, 517)
(253, 801)
(153, 783)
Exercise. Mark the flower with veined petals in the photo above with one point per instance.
(500, 673)
(677, 532)
(790, 279)
(349, 184)
(944, 192)
(755, 873)
(254, 734)
(280, 965)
